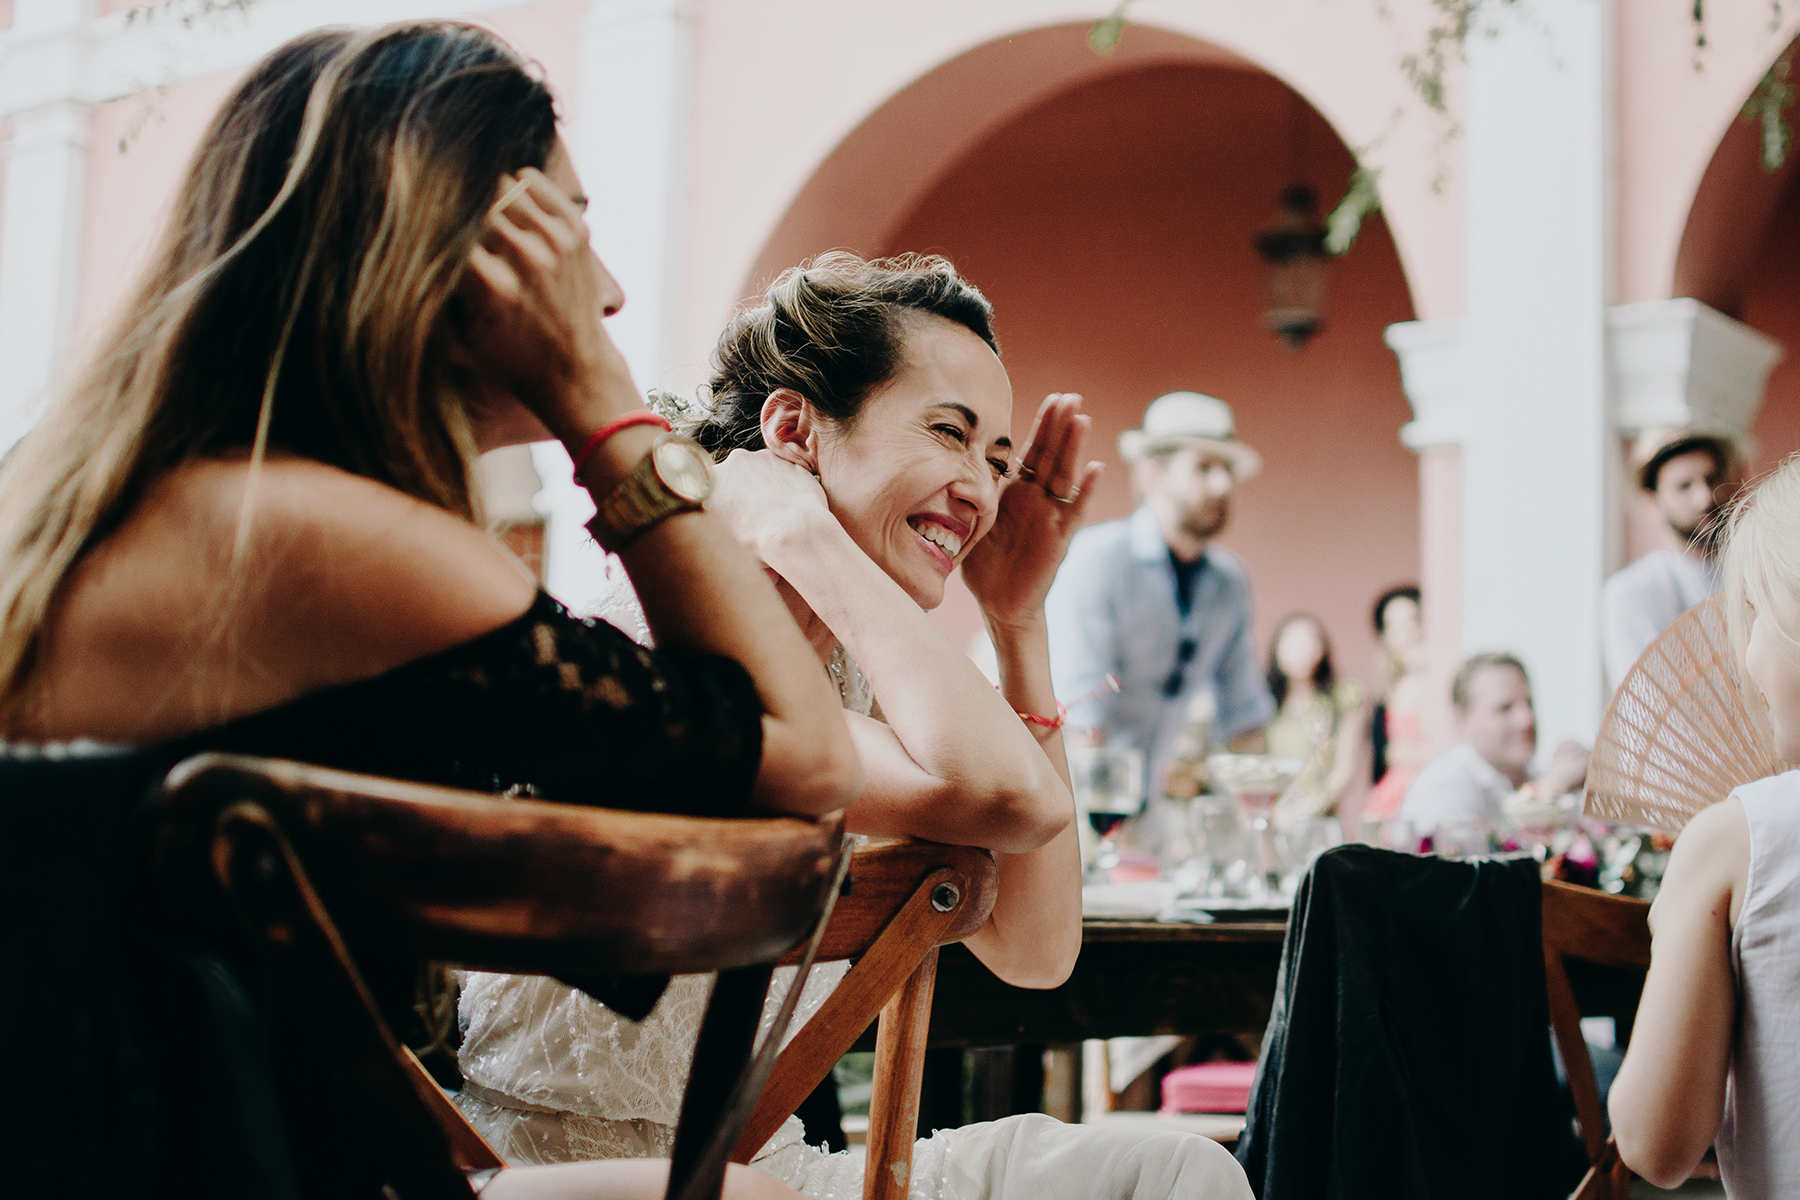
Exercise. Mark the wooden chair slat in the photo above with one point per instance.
(1614, 931)
(888, 922)
(899, 1071)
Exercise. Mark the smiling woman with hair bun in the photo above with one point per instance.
(864, 423)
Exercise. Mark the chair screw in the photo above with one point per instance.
(945, 896)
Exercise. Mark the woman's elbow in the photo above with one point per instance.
(1020, 822)
(1663, 1153)
(1045, 968)
(808, 775)
(1661, 1165)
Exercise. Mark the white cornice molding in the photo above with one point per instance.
(1432, 374)
(1679, 363)
(112, 57)
(1673, 363)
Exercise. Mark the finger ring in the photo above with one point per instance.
(1071, 498)
(1027, 472)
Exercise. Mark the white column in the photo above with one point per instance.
(41, 208)
(1539, 478)
(1434, 375)
(40, 258)
(629, 138)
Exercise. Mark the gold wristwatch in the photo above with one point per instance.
(675, 477)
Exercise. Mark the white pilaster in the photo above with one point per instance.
(1680, 364)
(41, 208)
(1539, 509)
(40, 253)
(1434, 376)
(629, 138)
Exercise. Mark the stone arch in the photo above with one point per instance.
(1159, 287)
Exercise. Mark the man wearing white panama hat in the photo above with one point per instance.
(1150, 599)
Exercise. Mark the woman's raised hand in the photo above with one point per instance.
(765, 499)
(1011, 569)
(537, 294)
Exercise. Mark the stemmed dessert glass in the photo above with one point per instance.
(1254, 781)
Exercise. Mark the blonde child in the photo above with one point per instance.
(1715, 1051)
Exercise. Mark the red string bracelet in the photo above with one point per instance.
(643, 417)
(1062, 716)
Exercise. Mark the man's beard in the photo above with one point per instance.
(1206, 520)
(1704, 534)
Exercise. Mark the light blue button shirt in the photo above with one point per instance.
(1112, 608)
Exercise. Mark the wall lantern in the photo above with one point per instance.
(1293, 244)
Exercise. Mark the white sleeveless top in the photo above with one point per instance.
(1759, 1141)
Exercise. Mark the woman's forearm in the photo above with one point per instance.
(1033, 936)
(971, 751)
(700, 589)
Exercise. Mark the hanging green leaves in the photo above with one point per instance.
(1103, 37)
(1767, 107)
(1361, 201)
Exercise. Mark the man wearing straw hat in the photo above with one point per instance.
(1681, 470)
(1153, 601)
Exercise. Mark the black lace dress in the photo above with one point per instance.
(151, 1059)
(547, 705)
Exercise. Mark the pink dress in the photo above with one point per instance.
(1385, 797)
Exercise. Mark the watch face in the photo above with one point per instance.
(684, 469)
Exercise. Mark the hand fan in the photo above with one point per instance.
(1678, 735)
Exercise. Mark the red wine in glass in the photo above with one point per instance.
(1106, 823)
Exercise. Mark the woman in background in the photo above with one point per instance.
(1396, 729)
(1318, 718)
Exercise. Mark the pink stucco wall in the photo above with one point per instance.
(1111, 226)
(128, 190)
(1675, 104)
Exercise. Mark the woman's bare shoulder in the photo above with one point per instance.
(337, 578)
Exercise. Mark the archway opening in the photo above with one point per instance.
(1111, 221)
(1740, 253)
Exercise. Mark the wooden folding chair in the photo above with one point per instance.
(902, 900)
(1613, 931)
(345, 879)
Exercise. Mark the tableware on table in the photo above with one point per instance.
(1222, 850)
(1109, 788)
(1463, 839)
(1299, 843)
(1678, 735)
(1391, 833)
(1254, 781)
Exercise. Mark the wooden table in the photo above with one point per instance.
(1133, 978)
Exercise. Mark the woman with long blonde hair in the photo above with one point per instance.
(249, 523)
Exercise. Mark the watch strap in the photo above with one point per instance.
(639, 503)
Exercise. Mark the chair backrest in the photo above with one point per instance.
(901, 902)
(337, 875)
(1612, 931)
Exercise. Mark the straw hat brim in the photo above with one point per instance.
(1134, 444)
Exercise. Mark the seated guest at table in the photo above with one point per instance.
(1681, 471)
(1713, 1060)
(1467, 783)
(864, 421)
(250, 525)
(1319, 718)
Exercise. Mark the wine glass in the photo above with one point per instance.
(1254, 781)
(1109, 787)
